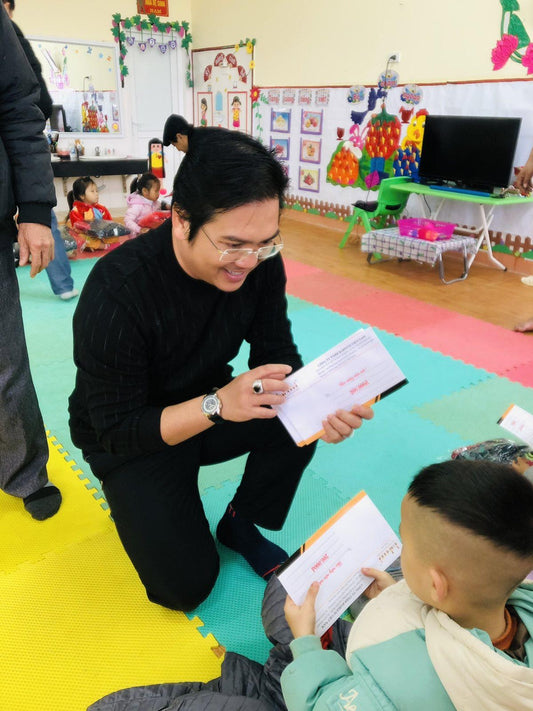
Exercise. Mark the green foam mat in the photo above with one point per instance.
(473, 413)
(233, 610)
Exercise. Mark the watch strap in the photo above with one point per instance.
(214, 417)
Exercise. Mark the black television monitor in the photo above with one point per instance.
(468, 152)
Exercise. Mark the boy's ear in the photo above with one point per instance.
(180, 225)
(439, 586)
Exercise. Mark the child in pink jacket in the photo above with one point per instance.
(142, 201)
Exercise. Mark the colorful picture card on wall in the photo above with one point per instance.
(308, 179)
(311, 122)
(237, 110)
(288, 96)
(310, 150)
(273, 96)
(305, 97)
(322, 97)
(280, 146)
(204, 109)
(280, 121)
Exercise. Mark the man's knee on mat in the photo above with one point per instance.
(186, 588)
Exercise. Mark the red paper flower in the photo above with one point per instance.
(254, 94)
(503, 50)
(527, 59)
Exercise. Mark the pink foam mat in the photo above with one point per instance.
(484, 345)
(298, 269)
(522, 373)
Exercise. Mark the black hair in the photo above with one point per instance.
(146, 180)
(79, 186)
(173, 125)
(222, 170)
(11, 4)
(489, 499)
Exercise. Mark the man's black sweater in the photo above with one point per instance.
(147, 335)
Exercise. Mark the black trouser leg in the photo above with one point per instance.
(23, 445)
(159, 515)
(273, 469)
(162, 525)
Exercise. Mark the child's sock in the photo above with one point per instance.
(242, 536)
(43, 503)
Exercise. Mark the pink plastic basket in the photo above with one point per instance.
(422, 228)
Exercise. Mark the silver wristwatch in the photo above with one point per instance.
(211, 406)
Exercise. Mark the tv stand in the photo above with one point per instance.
(485, 202)
(466, 191)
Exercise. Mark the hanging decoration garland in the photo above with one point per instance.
(514, 42)
(152, 24)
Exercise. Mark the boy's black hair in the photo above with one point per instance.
(146, 180)
(223, 170)
(79, 186)
(11, 4)
(491, 500)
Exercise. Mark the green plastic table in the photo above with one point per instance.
(487, 205)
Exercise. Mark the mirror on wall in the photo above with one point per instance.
(82, 78)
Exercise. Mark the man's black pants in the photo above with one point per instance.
(156, 505)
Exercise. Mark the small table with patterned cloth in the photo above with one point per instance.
(389, 242)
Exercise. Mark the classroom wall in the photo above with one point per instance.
(80, 20)
(346, 42)
(316, 44)
(69, 21)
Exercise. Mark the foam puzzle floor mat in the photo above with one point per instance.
(471, 340)
(77, 621)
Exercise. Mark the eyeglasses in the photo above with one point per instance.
(234, 255)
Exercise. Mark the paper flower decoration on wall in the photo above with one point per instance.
(514, 43)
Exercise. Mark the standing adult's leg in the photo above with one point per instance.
(159, 516)
(58, 271)
(23, 445)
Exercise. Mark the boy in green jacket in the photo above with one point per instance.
(457, 633)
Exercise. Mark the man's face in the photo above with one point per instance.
(249, 226)
(181, 143)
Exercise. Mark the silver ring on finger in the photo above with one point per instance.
(257, 387)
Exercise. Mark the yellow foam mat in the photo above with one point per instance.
(81, 515)
(76, 623)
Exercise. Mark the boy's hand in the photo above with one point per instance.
(301, 618)
(382, 580)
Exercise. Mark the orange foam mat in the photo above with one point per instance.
(76, 624)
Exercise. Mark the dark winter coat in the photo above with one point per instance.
(26, 179)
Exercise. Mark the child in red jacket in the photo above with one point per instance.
(83, 202)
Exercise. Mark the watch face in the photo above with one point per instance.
(211, 404)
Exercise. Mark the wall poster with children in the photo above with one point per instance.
(223, 79)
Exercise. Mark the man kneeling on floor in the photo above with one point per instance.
(456, 633)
